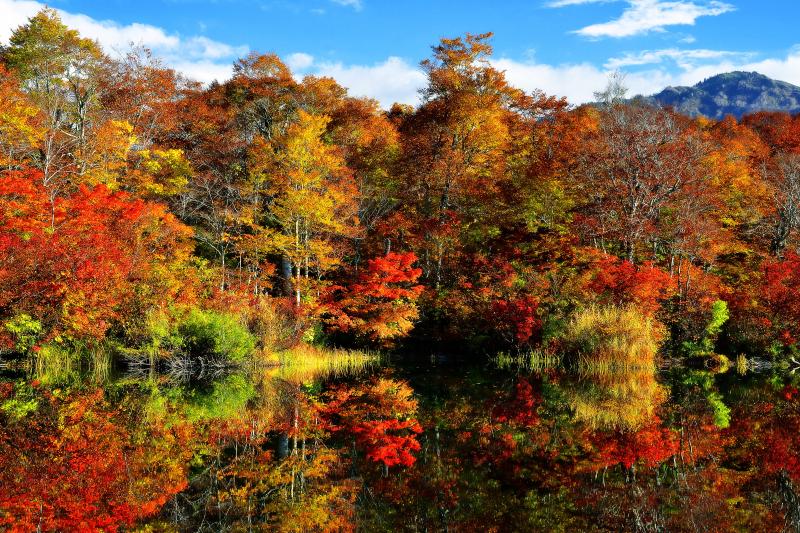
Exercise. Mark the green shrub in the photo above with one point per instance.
(25, 330)
(215, 334)
(705, 346)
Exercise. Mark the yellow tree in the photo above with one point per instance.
(313, 199)
(20, 131)
(60, 71)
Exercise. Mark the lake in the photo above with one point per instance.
(402, 443)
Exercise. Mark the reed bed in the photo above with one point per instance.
(607, 338)
(305, 362)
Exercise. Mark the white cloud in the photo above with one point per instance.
(577, 82)
(15, 14)
(299, 61)
(390, 81)
(355, 4)
(198, 57)
(202, 70)
(643, 16)
(685, 59)
(205, 48)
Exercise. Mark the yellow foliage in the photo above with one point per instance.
(105, 158)
(314, 197)
(161, 172)
(616, 349)
(20, 132)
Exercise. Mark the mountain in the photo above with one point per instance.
(733, 93)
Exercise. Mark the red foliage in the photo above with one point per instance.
(385, 444)
(769, 434)
(392, 276)
(789, 392)
(72, 263)
(780, 131)
(621, 282)
(780, 292)
(521, 408)
(380, 416)
(518, 316)
(652, 445)
(381, 303)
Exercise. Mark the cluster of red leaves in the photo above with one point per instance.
(380, 304)
(621, 282)
(392, 276)
(652, 445)
(390, 442)
(73, 465)
(72, 263)
(789, 392)
(380, 415)
(522, 408)
(519, 316)
(780, 292)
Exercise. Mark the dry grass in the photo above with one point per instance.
(606, 338)
(305, 362)
(615, 351)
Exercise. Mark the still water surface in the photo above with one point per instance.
(405, 444)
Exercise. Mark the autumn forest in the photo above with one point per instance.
(263, 304)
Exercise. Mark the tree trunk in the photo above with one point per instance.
(286, 274)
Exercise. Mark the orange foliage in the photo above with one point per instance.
(73, 263)
(74, 465)
(652, 445)
(381, 303)
(620, 282)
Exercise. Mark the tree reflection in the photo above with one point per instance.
(628, 450)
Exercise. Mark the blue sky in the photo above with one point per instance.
(373, 47)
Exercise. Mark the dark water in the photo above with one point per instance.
(413, 444)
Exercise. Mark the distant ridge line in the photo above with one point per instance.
(733, 93)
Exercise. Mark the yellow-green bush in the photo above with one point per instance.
(615, 350)
(612, 336)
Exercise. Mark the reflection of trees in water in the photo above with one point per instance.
(267, 450)
(619, 398)
(278, 465)
(218, 445)
(72, 460)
